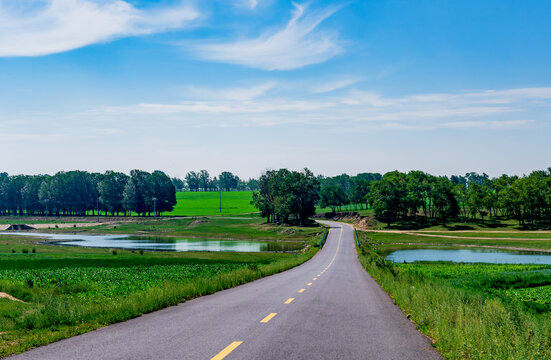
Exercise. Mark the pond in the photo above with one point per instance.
(161, 243)
(494, 256)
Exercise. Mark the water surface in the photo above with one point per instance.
(161, 243)
(494, 256)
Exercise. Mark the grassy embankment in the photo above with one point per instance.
(70, 290)
(472, 311)
(515, 240)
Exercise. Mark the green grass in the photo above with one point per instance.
(247, 228)
(471, 311)
(490, 234)
(41, 220)
(71, 290)
(208, 203)
(386, 239)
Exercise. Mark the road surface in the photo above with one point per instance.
(327, 308)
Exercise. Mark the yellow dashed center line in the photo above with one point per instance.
(301, 290)
(290, 300)
(231, 347)
(268, 318)
(309, 284)
(314, 279)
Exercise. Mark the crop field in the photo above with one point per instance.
(208, 203)
(65, 291)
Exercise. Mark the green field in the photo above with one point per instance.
(471, 311)
(208, 203)
(70, 290)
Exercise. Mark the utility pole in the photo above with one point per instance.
(155, 207)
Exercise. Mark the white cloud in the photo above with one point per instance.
(253, 107)
(298, 44)
(33, 28)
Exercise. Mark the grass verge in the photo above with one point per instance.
(464, 323)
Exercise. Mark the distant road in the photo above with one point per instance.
(327, 308)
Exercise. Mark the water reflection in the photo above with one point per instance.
(494, 256)
(158, 243)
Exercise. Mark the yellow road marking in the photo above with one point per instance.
(309, 284)
(268, 318)
(301, 291)
(231, 347)
(315, 279)
(289, 300)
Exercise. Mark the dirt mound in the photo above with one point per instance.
(198, 221)
(362, 222)
(17, 227)
(288, 231)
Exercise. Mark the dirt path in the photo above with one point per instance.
(415, 233)
(8, 296)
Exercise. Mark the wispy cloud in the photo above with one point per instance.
(41, 27)
(298, 44)
(245, 93)
(257, 106)
(335, 85)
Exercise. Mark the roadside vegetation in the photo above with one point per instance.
(66, 291)
(471, 311)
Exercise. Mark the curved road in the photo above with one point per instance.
(327, 308)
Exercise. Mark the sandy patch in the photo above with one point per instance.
(63, 225)
(8, 296)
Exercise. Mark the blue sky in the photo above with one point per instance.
(245, 85)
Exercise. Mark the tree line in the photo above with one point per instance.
(399, 196)
(202, 181)
(343, 190)
(80, 193)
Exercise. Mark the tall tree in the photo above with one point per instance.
(192, 180)
(111, 191)
(228, 181)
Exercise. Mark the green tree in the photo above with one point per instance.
(228, 181)
(162, 192)
(332, 196)
(192, 180)
(111, 191)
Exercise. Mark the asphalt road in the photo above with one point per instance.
(327, 308)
